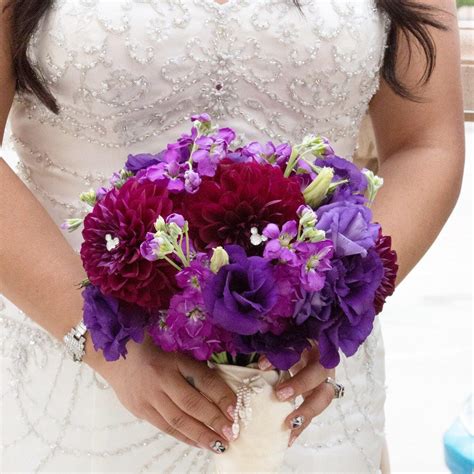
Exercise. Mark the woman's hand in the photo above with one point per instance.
(180, 396)
(308, 379)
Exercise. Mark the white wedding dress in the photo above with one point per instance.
(127, 75)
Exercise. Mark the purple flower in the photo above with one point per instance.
(112, 323)
(136, 163)
(211, 149)
(170, 172)
(354, 189)
(196, 274)
(192, 181)
(315, 261)
(101, 192)
(204, 118)
(283, 351)
(280, 243)
(349, 226)
(241, 293)
(341, 316)
(187, 328)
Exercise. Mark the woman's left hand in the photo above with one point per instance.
(308, 379)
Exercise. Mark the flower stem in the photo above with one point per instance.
(174, 264)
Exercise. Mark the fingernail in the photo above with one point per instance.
(297, 421)
(285, 393)
(217, 447)
(228, 433)
(264, 364)
(231, 411)
(292, 440)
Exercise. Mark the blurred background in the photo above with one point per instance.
(427, 323)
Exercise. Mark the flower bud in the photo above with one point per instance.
(160, 224)
(219, 258)
(313, 235)
(71, 224)
(317, 191)
(89, 197)
(307, 216)
(164, 246)
(374, 183)
(314, 144)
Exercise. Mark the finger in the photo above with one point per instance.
(208, 382)
(192, 402)
(264, 363)
(313, 405)
(180, 422)
(305, 380)
(153, 417)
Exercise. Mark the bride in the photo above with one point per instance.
(86, 82)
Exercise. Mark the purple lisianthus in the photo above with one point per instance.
(283, 350)
(241, 293)
(349, 226)
(315, 260)
(112, 323)
(341, 315)
(354, 189)
(136, 163)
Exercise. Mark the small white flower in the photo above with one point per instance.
(256, 238)
(111, 243)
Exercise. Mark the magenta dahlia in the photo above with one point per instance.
(388, 256)
(112, 234)
(240, 196)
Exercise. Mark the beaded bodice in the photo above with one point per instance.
(128, 73)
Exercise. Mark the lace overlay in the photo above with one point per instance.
(127, 74)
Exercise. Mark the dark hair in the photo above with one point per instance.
(407, 17)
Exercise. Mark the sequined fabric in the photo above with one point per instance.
(127, 75)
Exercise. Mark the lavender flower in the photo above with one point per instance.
(280, 243)
(315, 261)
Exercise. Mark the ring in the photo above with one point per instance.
(338, 388)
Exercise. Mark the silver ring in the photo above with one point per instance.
(338, 388)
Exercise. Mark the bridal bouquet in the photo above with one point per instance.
(228, 253)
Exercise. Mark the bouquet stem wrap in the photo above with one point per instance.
(263, 436)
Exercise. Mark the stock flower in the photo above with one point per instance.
(389, 260)
(280, 244)
(187, 328)
(126, 215)
(315, 262)
(112, 323)
(349, 226)
(239, 197)
(240, 294)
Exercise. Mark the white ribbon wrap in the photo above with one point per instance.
(263, 435)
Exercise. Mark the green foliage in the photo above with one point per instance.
(462, 3)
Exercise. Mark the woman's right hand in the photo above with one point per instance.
(179, 395)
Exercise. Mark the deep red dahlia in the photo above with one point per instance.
(126, 215)
(240, 196)
(388, 256)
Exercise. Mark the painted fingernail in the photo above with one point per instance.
(228, 433)
(297, 421)
(218, 447)
(231, 411)
(285, 393)
(292, 440)
(264, 364)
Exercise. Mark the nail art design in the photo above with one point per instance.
(228, 433)
(285, 393)
(218, 447)
(297, 421)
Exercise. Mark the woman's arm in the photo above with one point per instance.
(421, 147)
